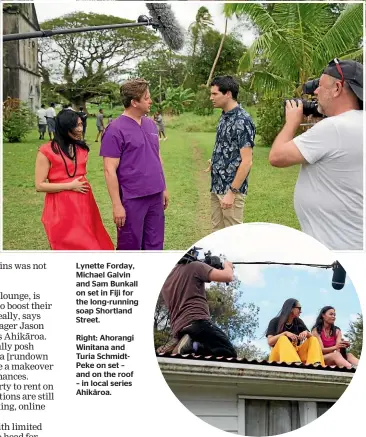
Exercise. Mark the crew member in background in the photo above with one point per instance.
(184, 295)
(232, 156)
(42, 121)
(100, 124)
(329, 190)
(83, 115)
(158, 118)
(134, 172)
(51, 120)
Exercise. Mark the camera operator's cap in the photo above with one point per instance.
(352, 72)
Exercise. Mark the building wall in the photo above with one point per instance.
(217, 408)
(21, 78)
(238, 414)
(29, 89)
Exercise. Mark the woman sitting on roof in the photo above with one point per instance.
(330, 339)
(290, 338)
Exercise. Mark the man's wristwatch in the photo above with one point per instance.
(234, 190)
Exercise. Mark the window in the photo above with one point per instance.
(272, 416)
(323, 407)
(265, 418)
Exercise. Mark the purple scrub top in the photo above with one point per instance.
(140, 172)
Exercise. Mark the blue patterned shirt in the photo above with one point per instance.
(234, 131)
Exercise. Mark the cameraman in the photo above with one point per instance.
(328, 196)
(184, 295)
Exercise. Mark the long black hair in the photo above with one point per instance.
(319, 322)
(285, 312)
(66, 120)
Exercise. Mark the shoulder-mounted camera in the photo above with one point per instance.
(209, 259)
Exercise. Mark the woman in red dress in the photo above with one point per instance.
(71, 216)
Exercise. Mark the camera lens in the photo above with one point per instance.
(310, 86)
(310, 108)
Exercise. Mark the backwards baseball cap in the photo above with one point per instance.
(348, 71)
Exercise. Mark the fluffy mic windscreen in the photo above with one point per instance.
(170, 29)
(339, 276)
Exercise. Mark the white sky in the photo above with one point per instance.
(184, 11)
(267, 242)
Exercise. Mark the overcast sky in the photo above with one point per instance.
(184, 11)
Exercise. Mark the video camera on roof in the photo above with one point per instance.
(209, 259)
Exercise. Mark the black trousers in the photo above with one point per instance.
(212, 340)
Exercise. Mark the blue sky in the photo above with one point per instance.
(269, 286)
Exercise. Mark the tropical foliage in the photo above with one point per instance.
(203, 104)
(177, 100)
(270, 119)
(18, 120)
(296, 41)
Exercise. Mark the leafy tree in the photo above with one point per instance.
(203, 104)
(161, 315)
(78, 65)
(355, 335)
(49, 94)
(270, 116)
(202, 23)
(162, 70)
(196, 31)
(296, 41)
(227, 63)
(237, 319)
(251, 352)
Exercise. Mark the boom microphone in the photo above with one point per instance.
(169, 28)
(338, 279)
(339, 276)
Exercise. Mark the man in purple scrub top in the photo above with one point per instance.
(134, 173)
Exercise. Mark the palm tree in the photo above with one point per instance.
(202, 23)
(296, 41)
(198, 27)
(218, 55)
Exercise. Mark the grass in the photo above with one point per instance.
(185, 155)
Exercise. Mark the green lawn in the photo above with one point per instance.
(185, 154)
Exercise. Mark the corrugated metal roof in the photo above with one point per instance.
(245, 361)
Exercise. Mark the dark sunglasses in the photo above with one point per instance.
(299, 308)
(339, 69)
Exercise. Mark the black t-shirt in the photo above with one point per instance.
(296, 327)
(83, 115)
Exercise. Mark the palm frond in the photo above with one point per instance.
(256, 12)
(355, 54)
(270, 84)
(347, 29)
(262, 47)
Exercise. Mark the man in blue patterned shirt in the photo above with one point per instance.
(232, 155)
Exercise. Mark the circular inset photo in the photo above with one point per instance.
(258, 329)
